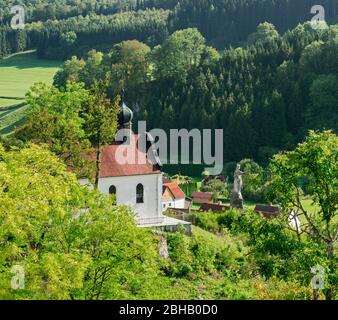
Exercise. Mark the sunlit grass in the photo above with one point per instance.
(18, 73)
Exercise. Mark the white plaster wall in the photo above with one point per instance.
(126, 193)
(175, 204)
(179, 203)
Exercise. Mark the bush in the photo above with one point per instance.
(203, 253)
(207, 221)
(253, 180)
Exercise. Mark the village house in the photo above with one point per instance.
(202, 197)
(173, 196)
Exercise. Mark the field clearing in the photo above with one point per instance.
(18, 73)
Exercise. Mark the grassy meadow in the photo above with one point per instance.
(18, 73)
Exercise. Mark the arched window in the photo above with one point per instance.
(112, 190)
(139, 193)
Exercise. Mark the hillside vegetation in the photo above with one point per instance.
(222, 22)
(18, 73)
(265, 95)
(99, 253)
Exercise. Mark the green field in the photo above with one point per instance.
(18, 73)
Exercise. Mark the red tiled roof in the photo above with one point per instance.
(175, 190)
(202, 195)
(110, 167)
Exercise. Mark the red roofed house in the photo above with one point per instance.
(173, 196)
(134, 175)
(205, 207)
(202, 197)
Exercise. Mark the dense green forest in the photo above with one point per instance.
(101, 22)
(265, 96)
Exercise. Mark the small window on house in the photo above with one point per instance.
(112, 190)
(139, 193)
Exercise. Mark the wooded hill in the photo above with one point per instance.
(56, 24)
(265, 96)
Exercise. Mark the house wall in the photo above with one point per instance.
(174, 204)
(148, 211)
(202, 200)
(179, 203)
(167, 196)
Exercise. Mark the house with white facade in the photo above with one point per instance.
(137, 184)
(173, 196)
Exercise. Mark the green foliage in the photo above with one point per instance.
(324, 101)
(71, 120)
(97, 31)
(70, 72)
(217, 187)
(53, 117)
(74, 244)
(178, 54)
(317, 160)
(128, 67)
(270, 250)
(253, 180)
(68, 39)
(207, 221)
(71, 242)
(203, 254)
(180, 179)
(97, 22)
(265, 32)
(100, 123)
(255, 91)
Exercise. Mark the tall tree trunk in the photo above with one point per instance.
(97, 171)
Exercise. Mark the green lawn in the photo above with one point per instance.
(309, 206)
(18, 73)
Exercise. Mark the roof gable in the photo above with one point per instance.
(175, 190)
(136, 162)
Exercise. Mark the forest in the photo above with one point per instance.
(265, 96)
(99, 23)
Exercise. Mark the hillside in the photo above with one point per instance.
(18, 73)
(56, 24)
